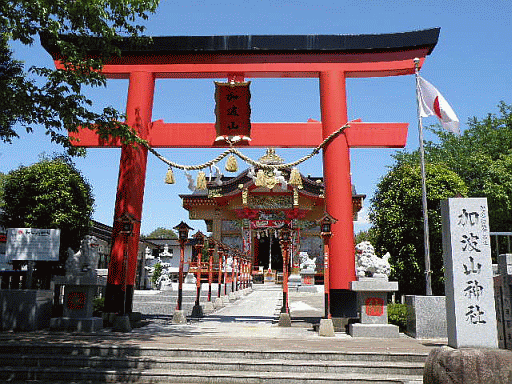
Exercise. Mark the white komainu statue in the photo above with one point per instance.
(368, 264)
(85, 261)
(306, 262)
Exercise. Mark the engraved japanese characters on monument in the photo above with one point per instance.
(470, 309)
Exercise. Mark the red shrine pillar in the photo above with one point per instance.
(338, 194)
(130, 193)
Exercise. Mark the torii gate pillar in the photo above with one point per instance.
(130, 195)
(338, 194)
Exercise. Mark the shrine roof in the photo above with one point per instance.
(364, 43)
(230, 186)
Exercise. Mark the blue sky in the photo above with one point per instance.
(470, 66)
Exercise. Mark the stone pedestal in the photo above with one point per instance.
(79, 293)
(307, 284)
(372, 300)
(208, 307)
(285, 320)
(218, 303)
(197, 311)
(294, 282)
(326, 328)
(179, 317)
(426, 317)
(25, 309)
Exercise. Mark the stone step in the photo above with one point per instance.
(94, 375)
(208, 364)
(90, 351)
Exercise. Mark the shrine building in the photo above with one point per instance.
(246, 214)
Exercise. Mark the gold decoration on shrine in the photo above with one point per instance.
(270, 179)
(260, 178)
(295, 197)
(270, 202)
(266, 178)
(201, 181)
(169, 177)
(231, 164)
(245, 195)
(271, 157)
(295, 178)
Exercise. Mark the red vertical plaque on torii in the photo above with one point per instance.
(233, 110)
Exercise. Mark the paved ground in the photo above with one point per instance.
(250, 323)
(247, 323)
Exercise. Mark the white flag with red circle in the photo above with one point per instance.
(432, 103)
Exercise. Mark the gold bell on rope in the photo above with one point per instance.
(201, 181)
(169, 177)
(295, 178)
(231, 164)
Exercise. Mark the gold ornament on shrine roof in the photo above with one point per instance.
(271, 157)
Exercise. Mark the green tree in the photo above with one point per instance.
(157, 272)
(3, 176)
(396, 214)
(162, 233)
(367, 235)
(53, 98)
(482, 157)
(49, 194)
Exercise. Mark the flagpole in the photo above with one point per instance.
(426, 242)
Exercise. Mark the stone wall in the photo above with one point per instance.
(503, 299)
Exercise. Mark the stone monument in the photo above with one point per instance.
(372, 289)
(80, 288)
(470, 309)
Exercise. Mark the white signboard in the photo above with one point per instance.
(470, 310)
(32, 244)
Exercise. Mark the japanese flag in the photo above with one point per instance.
(432, 103)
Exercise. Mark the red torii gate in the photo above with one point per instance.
(330, 58)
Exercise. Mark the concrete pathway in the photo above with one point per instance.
(261, 305)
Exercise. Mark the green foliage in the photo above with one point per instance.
(157, 272)
(51, 97)
(396, 213)
(3, 176)
(482, 157)
(98, 305)
(397, 315)
(368, 235)
(162, 233)
(49, 194)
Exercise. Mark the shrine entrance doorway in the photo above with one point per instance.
(267, 253)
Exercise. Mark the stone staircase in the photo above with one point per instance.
(79, 363)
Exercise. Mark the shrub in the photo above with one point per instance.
(397, 315)
(98, 306)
